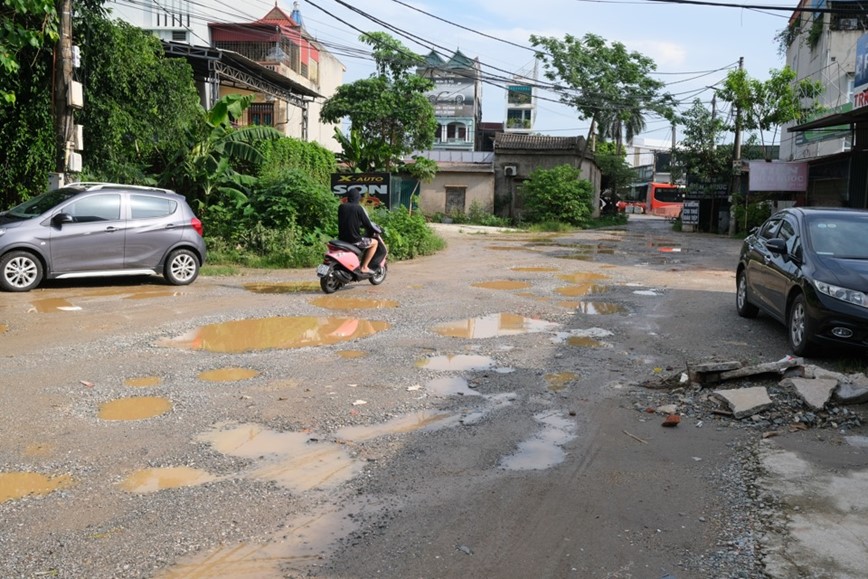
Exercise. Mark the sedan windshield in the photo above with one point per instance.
(839, 235)
(41, 203)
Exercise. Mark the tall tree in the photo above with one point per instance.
(767, 105)
(24, 24)
(700, 156)
(603, 82)
(389, 113)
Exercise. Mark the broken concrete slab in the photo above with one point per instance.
(852, 393)
(744, 402)
(767, 368)
(815, 392)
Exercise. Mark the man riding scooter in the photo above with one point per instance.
(351, 217)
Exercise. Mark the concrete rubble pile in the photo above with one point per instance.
(774, 395)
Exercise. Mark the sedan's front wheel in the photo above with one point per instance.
(745, 308)
(20, 271)
(799, 327)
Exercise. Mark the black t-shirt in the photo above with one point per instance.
(351, 218)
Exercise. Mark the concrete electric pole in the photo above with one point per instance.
(63, 120)
(736, 158)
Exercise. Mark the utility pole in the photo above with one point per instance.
(672, 157)
(736, 157)
(63, 121)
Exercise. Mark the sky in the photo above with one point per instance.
(693, 46)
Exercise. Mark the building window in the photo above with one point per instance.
(261, 114)
(455, 199)
(456, 132)
(518, 118)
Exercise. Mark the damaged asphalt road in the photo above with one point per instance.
(496, 410)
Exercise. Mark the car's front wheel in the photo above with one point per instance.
(799, 327)
(20, 271)
(742, 305)
(182, 267)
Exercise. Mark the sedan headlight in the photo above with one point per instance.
(841, 293)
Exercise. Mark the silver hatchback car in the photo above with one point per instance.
(100, 229)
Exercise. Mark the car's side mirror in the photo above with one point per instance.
(62, 218)
(777, 245)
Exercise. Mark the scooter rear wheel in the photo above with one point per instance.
(379, 275)
(329, 283)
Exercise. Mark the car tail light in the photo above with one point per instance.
(197, 225)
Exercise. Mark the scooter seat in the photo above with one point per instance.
(346, 246)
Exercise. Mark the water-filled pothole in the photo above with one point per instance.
(228, 374)
(494, 325)
(143, 381)
(151, 480)
(17, 485)
(545, 448)
(275, 333)
(456, 362)
(334, 302)
(502, 285)
(289, 287)
(450, 386)
(558, 381)
(582, 289)
(134, 408)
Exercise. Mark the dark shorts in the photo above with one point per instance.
(365, 243)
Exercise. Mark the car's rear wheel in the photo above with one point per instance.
(20, 271)
(743, 306)
(799, 327)
(182, 267)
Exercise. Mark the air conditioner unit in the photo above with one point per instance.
(848, 24)
(73, 162)
(78, 137)
(510, 170)
(75, 95)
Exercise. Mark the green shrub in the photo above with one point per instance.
(558, 195)
(407, 235)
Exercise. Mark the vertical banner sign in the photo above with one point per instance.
(860, 79)
(376, 186)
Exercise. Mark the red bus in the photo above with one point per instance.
(661, 199)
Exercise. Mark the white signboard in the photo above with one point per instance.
(766, 176)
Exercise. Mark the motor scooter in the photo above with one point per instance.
(341, 263)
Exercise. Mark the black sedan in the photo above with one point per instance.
(807, 267)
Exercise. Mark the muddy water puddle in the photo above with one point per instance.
(535, 269)
(582, 277)
(135, 408)
(17, 485)
(558, 381)
(299, 544)
(53, 305)
(291, 459)
(412, 422)
(3, 328)
(582, 289)
(494, 325)
(228, 374)
(456, 362)
(583, 338)
(502, 285)
(333, 302)
(545, 448)
(143, 381)
(450, 386)
(275, 334)
(289, 287)
(151, 480)
(600, 308)
(352, 354)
